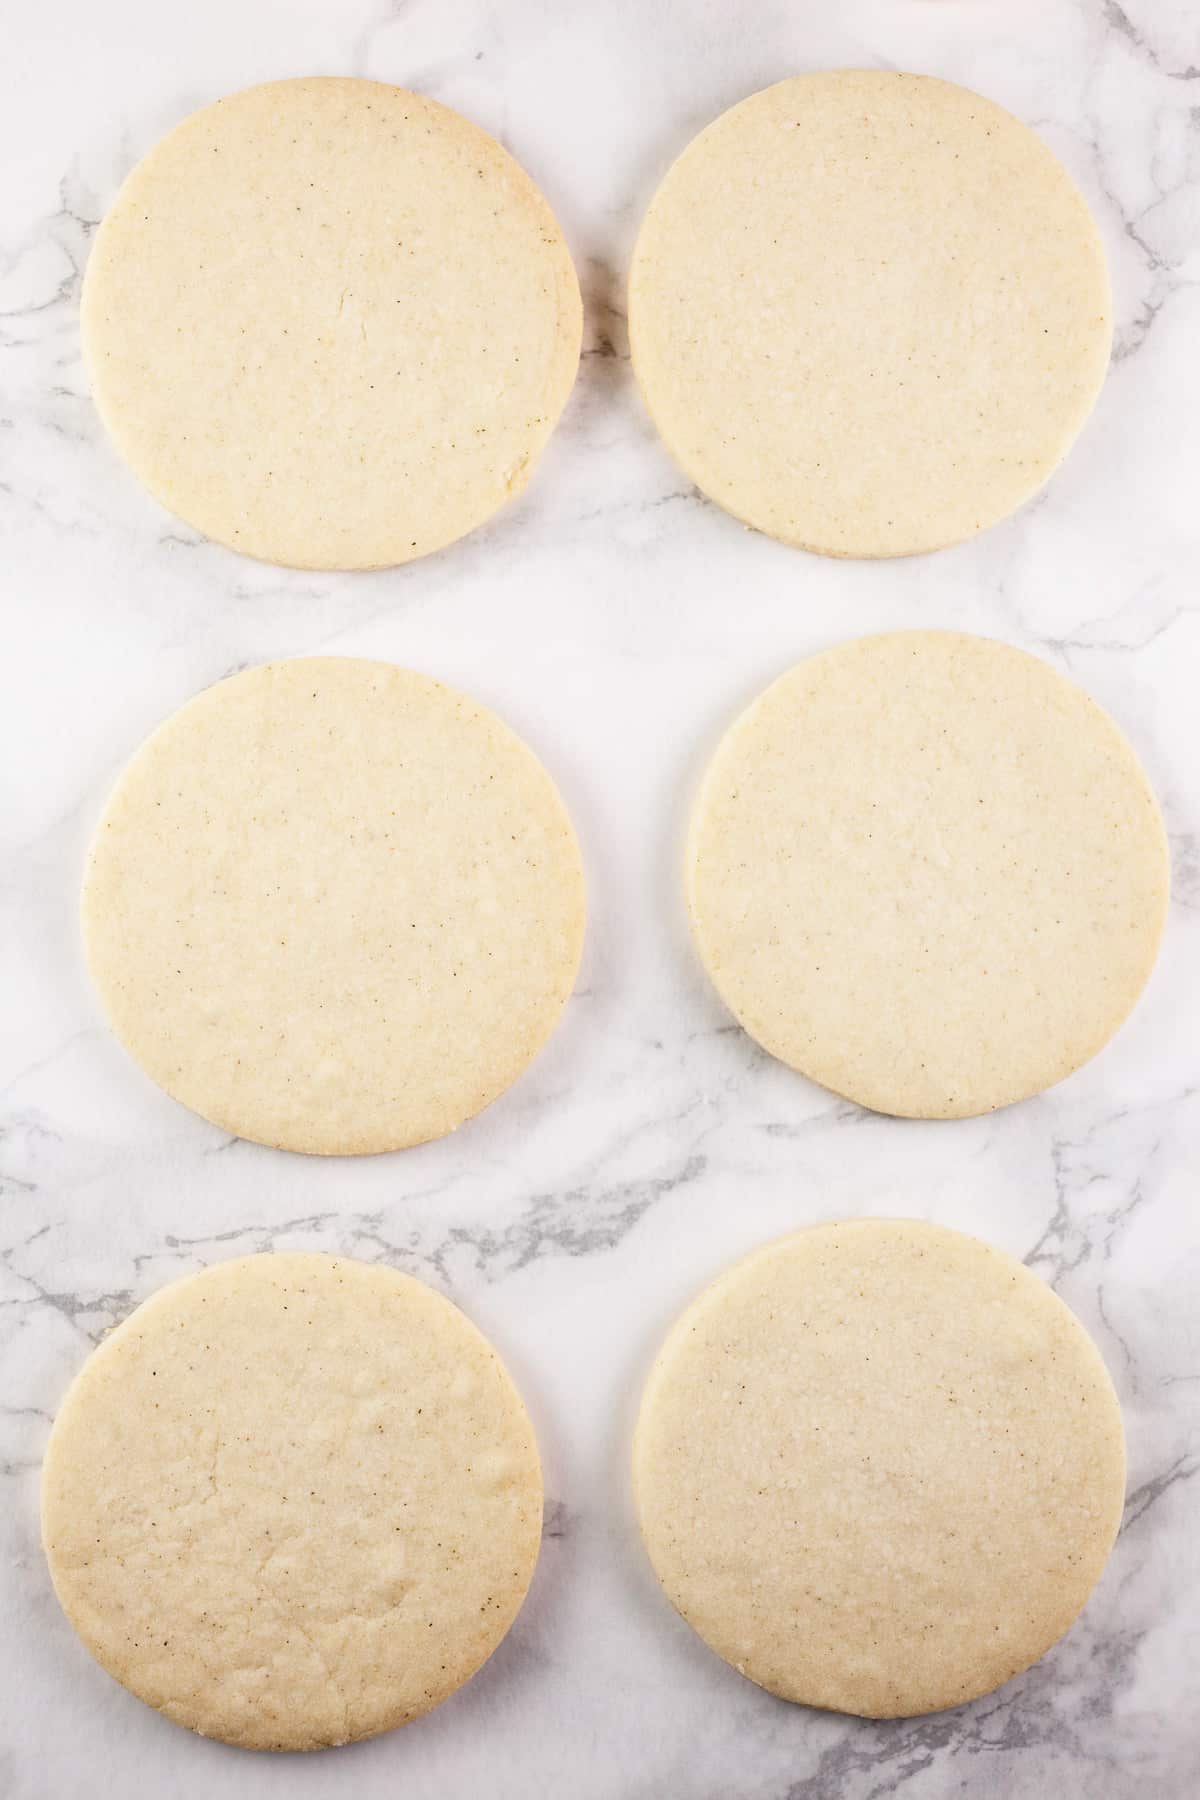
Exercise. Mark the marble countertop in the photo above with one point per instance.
(618, 620)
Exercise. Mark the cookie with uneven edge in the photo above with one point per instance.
(879, 1467)
(869, 312)
(292, 1501)
(927, 871)
(334, 906)
(330, 323)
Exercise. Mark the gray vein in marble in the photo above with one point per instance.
(556, 1520)
(1148, 1493)
(1073, 1236)
(1119, 19)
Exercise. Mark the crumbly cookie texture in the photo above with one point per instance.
(869, 312)
(334, 906)
(292, 1501)
(879, 1467)
(928, 871)
(330, 323)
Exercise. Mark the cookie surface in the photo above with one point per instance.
(869, 312)
(330, 323)
(879, 1467)
(927, 871)
(292, 1501)
(334, 906)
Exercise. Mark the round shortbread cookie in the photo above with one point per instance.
(330, 323)
(334, 906)
(927, 871)
(869, 312)
(292, 1501)
(879, 1467)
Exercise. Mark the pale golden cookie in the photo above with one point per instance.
(879, 1467)
(292, 1501)
(330, 323)
(869, 312)
(927, 871)
(334, 906)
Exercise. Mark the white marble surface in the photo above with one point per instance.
(618, 620)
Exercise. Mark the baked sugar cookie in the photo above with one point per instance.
(330, 323)
(927, 871)
(879, 1467)
(334, 906)
(869, 312)
(292, 1501)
